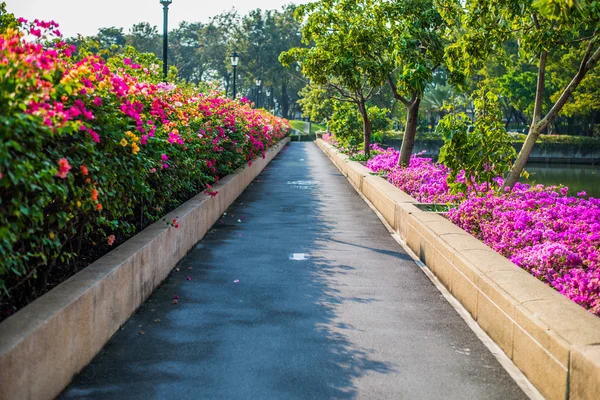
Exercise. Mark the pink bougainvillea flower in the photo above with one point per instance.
(553, 236)
(164, 157)
(110, 240)
(63, 168)
(94, 135)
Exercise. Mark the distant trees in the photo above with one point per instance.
(201, 52)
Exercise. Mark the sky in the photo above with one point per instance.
(87, 16)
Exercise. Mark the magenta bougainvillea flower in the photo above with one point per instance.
(553, 236)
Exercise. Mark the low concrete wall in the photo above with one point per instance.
(46, 343)
(554, 342)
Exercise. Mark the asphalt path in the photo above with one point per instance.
(299, 292)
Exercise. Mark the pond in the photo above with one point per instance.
(576, 177)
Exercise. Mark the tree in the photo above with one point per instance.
(541, 28)
(417, 32)
(361, 45)
(344, 38)
(145, 38)
(108, 37)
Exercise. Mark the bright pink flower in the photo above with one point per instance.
(63, 168)
(94, 135)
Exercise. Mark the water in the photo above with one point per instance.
(576, 177)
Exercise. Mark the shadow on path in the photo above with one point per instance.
(299, 292)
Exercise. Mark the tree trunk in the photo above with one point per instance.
(366, 128)
(410, 131)
(526, 150)
(538, 124)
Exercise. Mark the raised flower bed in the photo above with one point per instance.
(553, 236)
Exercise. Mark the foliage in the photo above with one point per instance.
(344, 36)
(201, 52)
(345, 122)
(542, 30)
(93, 151)
(480, 155)
(316, 103)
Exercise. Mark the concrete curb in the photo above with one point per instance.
(552, 340)
(46, 343)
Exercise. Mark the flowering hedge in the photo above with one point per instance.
(94, 150)
(553, 236)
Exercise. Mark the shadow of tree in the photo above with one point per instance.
(273, 334)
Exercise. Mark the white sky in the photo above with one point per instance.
(86, 16)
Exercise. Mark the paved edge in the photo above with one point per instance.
(46, 343)
(553, 341)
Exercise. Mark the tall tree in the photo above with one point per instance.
(417, 32)
(108, 37)
(541, 28)
(343, 38)
(145, 38)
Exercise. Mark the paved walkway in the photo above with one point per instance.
(326, 305)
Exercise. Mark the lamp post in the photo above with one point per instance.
(235, 59)
(165, 4)
(258, 82)
(268, 93)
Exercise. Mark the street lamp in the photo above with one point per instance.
(268, 93)
(165, 4)
(235, 59)
(258, 82)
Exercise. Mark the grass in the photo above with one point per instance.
(299, 125)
